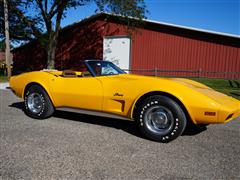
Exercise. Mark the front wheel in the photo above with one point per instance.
(37, 103)
(160, 118)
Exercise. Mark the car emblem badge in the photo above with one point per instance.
(117, 94)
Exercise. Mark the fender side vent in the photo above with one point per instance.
(229, 116)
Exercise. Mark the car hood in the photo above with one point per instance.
(186, 82)
(207, 91)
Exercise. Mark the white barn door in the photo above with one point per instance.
(117, 50)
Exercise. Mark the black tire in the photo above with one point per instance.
(160, 118)
(37, 103)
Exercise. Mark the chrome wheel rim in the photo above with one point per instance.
(35, 103)
(159, 120)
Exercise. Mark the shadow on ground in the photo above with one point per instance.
(127, 126)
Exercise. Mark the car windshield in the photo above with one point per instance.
(104, 68)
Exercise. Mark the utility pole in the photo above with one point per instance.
(7, 50)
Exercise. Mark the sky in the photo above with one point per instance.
(214, 15)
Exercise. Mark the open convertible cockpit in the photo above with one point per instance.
(89, 68)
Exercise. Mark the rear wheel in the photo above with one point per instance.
(37, 103)
(160, 118)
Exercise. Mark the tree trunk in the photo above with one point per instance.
(53, 36)
(7, 41)
(51, 49)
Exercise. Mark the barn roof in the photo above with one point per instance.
(190, 32)
(152, 22)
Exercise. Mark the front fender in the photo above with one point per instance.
(159, 92)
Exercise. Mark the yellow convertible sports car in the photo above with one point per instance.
(160, 106)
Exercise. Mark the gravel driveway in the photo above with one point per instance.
(75, 146)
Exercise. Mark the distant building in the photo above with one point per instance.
(166, 49)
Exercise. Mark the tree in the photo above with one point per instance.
(22, 28)
(50, 13)
(14, 22)
(7, 48)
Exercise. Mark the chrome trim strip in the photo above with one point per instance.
(93, 113)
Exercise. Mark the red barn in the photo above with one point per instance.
(155, 47)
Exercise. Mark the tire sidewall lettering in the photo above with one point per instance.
(43, 103)
(175, 129)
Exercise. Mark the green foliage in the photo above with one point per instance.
(3, 78)
(2, 45)
(132, 8)
(21, 26)
(129, 12)
(47, 15)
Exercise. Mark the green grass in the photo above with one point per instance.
(3, 78)
(221, 85)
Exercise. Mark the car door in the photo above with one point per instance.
(118, 97)
(78, 92)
